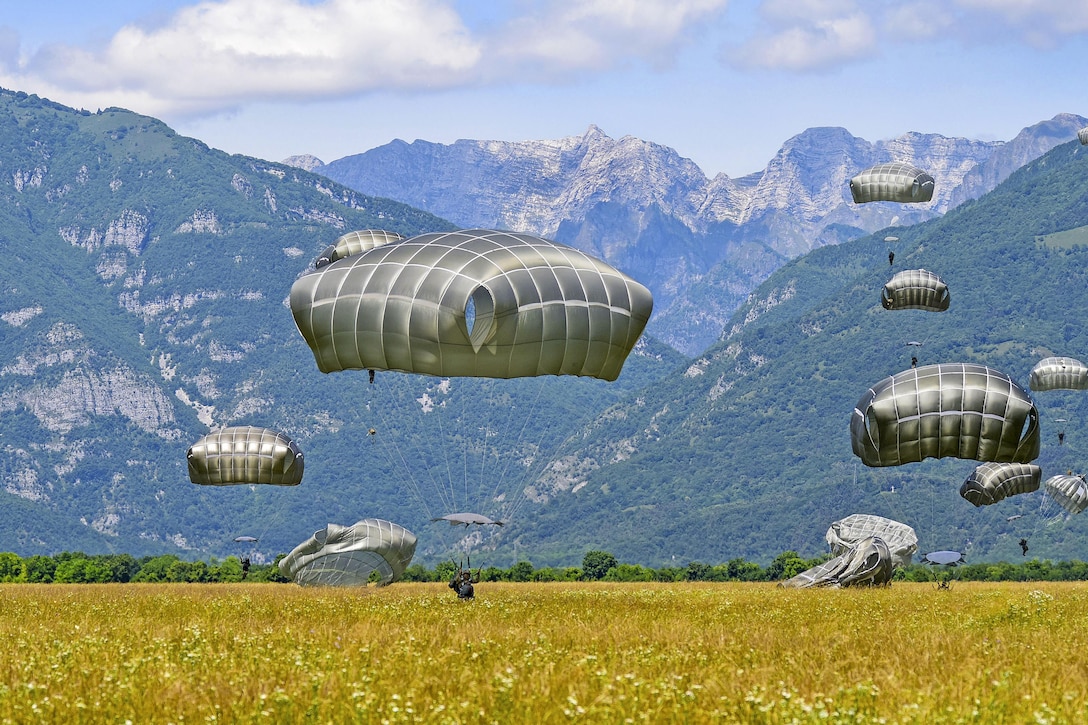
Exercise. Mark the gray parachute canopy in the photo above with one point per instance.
(915, 289)
(471, 303)
(866, 563)
(900, 539)
(245, 539)
(992, 482)
(355, 243)
(944, 558)
(1082, 136)
(1071, 492)
(892, 182)
(962, 410)
(1059, 373)
(345, 556)
(245, 454)
(465, 519)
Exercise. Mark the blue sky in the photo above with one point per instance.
(724, 82)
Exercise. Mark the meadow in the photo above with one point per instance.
(544, 653)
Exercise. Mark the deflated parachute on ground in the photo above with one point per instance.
(915, 289)
(991, 482)
(892, 182)
(345, 556)
(1059, 373)
(471, 303)
(900, 539)
(355, 243)
(866, 563)
(1071, 492)
(961, 410)
(245, 454)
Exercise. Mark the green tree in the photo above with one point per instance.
(40, 569)
(595, 564)
(12, 568)
(521, 572)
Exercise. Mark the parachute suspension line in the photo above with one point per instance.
(518, 497)
(450, 488)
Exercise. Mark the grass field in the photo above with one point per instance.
(544, 653)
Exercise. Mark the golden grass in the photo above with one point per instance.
(544, 653)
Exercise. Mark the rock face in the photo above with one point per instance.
(700, 244)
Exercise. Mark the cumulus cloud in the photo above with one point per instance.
(806, 35)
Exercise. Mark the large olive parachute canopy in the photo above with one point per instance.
(915, 289)
(1071, 492)
(245, 454)
(962, 410)
(901, 540)
(355, 243)
(472, 303)
(866, 563)
(1082, 136)
(1059, 373)
(992, 482)
(345, 556)
(892, 182)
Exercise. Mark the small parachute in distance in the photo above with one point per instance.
(466, 519)
(959, 410)
(1082, 136)
(992, 482)
(345, 556)
(866, 563)
(1071, 492)
(355, 243)
(915, 289)
(901, 539)
(1014, 517)
(898, 182)
(245, 539)
(245, 454)
(891, 239)
(1059, 373)
(944, 558)
(913, 343)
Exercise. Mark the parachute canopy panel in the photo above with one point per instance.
(466, 519)
(1059, 373)
(944, 558)
(992, 482)
(246, 454)
(901, 539)
(1071, 492)
(475, 303)
(355, 242)
(894, 181)
(866, 563)
(960, 410)
(345, 556)
(1082, 136)
(915, 289)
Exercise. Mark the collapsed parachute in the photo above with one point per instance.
(866, 563)
(961, 410)
(466, 519)
(900, 539)
(245, 454)
(1059, 373)
(471, 303)
(915, 289)
(1071, 492)
(892, 182)
(345, 556)
(992, 482)
(355, 243)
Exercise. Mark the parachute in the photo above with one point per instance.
(1071, 492)
(1059, 373)
(246, 454)
(900, 539)
(355, 243)
(915, 289)
(866, 563)
(1082, 136)
(991, 482)
(345, 556)
(471, 303)
(245, 539)
(962, 410)
(892, 182)
(944, 558)
(891, 239)
(467, 519)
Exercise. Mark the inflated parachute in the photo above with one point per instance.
(471, 303)
(944, 558)
(900, 539)
(866, 563)
(345, 556)
(1059, 373)
(892, 182)
(962, 410)
(355, 243)
(245, 454)
(466, 519)
(1082, 136)
(915, 289)
(992, 482)
(1071, 492)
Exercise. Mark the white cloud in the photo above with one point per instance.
(823, 34)
(1040, 22)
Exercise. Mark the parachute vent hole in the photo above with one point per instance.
(479, 317)
(470, 315)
